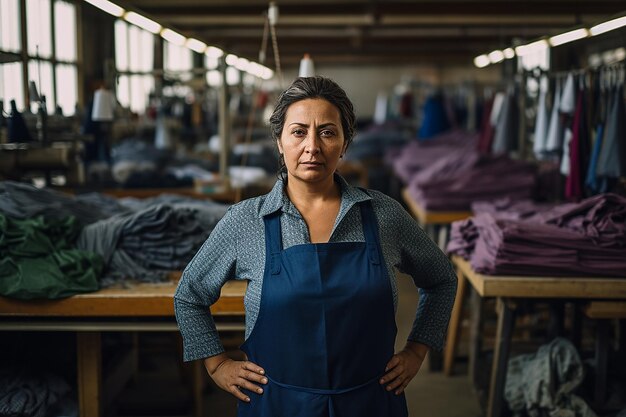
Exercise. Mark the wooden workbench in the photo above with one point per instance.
(150, 306)
(435, 223)
(506, 289)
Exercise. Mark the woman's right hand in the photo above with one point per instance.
(231, 375)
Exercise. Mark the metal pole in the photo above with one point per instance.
(224, 123)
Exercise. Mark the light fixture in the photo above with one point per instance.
(607, 26)
(496, 56)
(307, 69)
(570, 36)
(531, 48)
(107, 6)
(481, 61)
(267, 73)
(231, 59)
(242, 64)
(143, 22)
(509, 53)
(196, 45)
(103, 105)
(213, 52)
(173, 37)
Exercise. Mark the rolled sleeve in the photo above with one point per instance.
(200, 287)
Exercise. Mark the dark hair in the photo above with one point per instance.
(313, 87)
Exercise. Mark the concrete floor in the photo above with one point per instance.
(158, 391)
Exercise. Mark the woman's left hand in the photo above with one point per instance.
(403, 367)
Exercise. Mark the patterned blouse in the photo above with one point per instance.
(236, 250)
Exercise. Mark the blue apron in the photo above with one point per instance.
(326, 329)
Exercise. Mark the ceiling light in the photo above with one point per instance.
(482, 61)
(242, 64)
(509, 53)
(607, 26)
(570, 36)
(267, 73)
(496, 56)
(196, 45)
(231, 60)
(214, 52)
(107, 6)
(173, 37)
(143, 22)
(531, 48)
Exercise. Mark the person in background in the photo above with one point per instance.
(319, 257)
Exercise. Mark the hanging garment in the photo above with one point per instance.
(591, 181)
(573, 183)
(435, 120)
(609, 162)
(505, 139)
(567, 104)
(555, 129)
(541, 122)
(486, 129)
(314, 323)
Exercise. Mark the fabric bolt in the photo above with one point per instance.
(236, 248)
(541, 124)
(313, 322)
(543, 383)
(554, 140)
(24, 201)
(26, 394)
(38, 259)
(609, 161)
(506, 132)
(147, 243)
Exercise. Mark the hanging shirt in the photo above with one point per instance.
(555, 129)
(541, 122)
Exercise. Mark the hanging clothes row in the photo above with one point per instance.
(583, 129)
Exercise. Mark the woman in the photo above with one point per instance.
(320, 325)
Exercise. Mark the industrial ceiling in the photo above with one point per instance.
(375, 32)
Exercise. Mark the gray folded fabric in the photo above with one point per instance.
(23, 201)
(543, 383)
(146, 244)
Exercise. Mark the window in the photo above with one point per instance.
(11, 85)
(10, 26)
(53, 68)
(134, 57)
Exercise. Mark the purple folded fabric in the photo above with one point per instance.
(454, 182)
(576, 239)
(417, 156)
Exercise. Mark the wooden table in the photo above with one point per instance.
(142, 307)
(435, 223)
(508, 289)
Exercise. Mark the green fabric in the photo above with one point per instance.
(38, 259)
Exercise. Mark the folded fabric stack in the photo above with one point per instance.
(145, 244)
(576, 239)
(417, 156)
(455, 181)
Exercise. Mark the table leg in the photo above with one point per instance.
(476, 323)
(506, 321)
(602, 350)
(455, 325)
(89, 357)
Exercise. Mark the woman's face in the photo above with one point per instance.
(312, 140)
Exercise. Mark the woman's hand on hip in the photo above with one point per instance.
(403, 367)
(232, 376)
